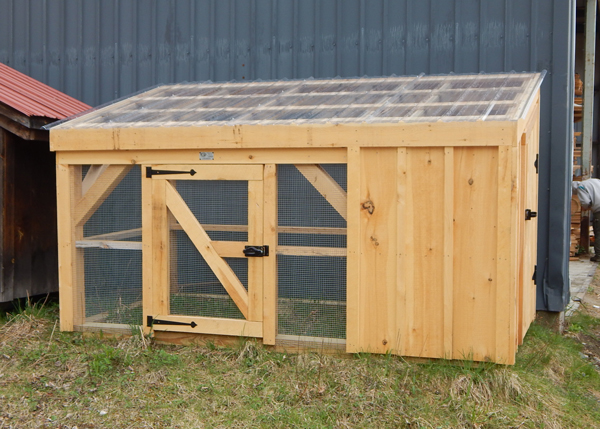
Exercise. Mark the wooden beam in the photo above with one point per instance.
(146, 231)
(353, 267)
(221, 156)
(212, 325)
(230, 249)
(92, 175)
(22, 131)
(255, 236)
(440, 134)
(99, 191)
(270, 238)
(107, 244)
(311, 251)
(326, 185)
(202, 242)
(212, 172)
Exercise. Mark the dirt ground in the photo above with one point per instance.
(590, 305)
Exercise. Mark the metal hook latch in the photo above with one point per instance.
(256, 251)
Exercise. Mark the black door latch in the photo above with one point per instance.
(530, 214)
(256, 251)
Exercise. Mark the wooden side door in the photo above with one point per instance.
(204, 249)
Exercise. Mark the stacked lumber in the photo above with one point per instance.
(578, 110)
(575, 226)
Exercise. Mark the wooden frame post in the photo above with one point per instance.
(270, 293)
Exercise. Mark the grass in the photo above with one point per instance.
(53, 379)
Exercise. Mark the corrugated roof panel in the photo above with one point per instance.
(366, 100)
(33, 98)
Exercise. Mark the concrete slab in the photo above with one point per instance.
(581, 273)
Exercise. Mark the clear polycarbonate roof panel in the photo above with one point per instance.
(481, 97)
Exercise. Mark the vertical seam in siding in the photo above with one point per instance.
(28, 38)
(274, 41)
(192, 48)
(97, 92)
(532, 36)
(45, 44)
(211, 55)
(80, 57)
(172, 48)
(482, 20)
(61, 58)
(232, 33)
(457, 15)
(134, 42)
(362, 17)
(295, 43)
(385, 22)
(316, 38)
(337, 39)
(116, 62)
(506, 66)
(253, 53)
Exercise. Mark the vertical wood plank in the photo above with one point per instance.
(353, 251)
(506, 286)
(270, 263)
(147, 249)
(475, 244)
(378, 240)
(448, 281)
(255, 236)
(160, 250)
(425, 249)
(405, 255)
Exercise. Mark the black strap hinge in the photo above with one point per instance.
(151, 172)
(152, 321)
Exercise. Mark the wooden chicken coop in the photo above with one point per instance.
(368, 215)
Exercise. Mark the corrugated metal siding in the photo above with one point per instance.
(98, 51)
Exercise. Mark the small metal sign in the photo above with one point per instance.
(207, 156)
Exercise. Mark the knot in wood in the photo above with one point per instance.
(369, 206)
(470, 181)
(384, 342)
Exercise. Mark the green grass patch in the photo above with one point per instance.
(54, 379)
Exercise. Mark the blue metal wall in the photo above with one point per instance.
(97, 51)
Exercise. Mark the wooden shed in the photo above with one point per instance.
(370, 215)
(28, 247)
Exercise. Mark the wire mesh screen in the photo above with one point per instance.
(312, 263)
(111, 247)
(221, 207)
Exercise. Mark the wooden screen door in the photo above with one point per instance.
(207, 249)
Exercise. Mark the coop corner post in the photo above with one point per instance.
(270, 262)
(353, 252)
(70, 259)
(505, 284)
(147, 256)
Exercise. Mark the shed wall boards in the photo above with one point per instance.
(392, 215)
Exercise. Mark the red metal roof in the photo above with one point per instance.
(33, 98)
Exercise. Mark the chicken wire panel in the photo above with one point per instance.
(113, 286)
(112, 276)
(221, 207)
(312, 296)
(311, 289)
(194, 288)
